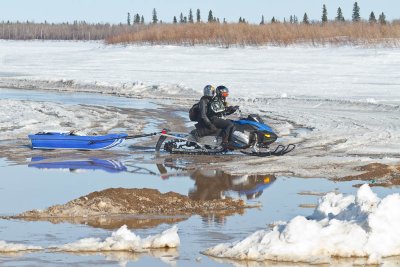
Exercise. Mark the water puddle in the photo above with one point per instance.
(45, 181)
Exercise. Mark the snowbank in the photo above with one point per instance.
(13, 247)
(20, 118)
(326, 72)
(341, 226)
(124, 240)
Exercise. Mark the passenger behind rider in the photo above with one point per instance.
(204, 126)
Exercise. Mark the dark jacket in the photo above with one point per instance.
(203, 108)
(219, 107)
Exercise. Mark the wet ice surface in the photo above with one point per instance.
(49, 185)
(340, 105)
(76, 99)
(27, 112)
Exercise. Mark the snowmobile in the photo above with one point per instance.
(248, 133)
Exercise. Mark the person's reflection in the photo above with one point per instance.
(216, 184)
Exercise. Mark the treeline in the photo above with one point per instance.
(195, 28)
(293, 19)
(61, 31)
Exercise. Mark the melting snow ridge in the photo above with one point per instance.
(341, 226)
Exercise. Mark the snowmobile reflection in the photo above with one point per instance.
(216, 184)
(74, 164)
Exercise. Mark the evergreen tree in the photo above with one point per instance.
(356, 13)
(305, 19)
(225, 21)
(262, 20)
(291, 19)
(190, 16)
(198, 18)
(210, 16)
(174, 20)
(185, 19)
(128, 20)
(339, 16)
(155, 19)
(136, 19)
(240, 19)
(273, 20)
(181, 18)
(372, 18)
(295, 19)
(142, 20)
(382, 18)
(324, 14)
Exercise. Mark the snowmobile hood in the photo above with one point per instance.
(259, 126)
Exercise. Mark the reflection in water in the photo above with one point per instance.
(167, 255)
(208, 185)
(123, 258)
(72, 165)
(334, 261)
(216, 184)
(94, 164)
(115, 221)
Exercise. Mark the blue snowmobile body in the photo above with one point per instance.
(250, 132)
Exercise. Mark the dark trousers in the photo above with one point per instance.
(225, 125)
(202, 129)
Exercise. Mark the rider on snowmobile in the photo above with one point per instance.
(217, 109)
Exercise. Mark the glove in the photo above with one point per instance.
(230, 110)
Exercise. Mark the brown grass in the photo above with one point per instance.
(216, 34)
(270, 34)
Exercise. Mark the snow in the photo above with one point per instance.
(341, 226)
(124, 240)
(20, 118)
(358, 74)
(339, 105)
(6, 247)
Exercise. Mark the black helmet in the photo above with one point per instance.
(209, 90)
(222, 91)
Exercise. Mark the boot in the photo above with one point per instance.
(194, 136)
(225, 142)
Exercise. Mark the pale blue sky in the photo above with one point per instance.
(115, 11)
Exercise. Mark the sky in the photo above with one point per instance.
(115, 11)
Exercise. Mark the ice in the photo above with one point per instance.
(124, 240)
(341, 226)
(346, 98)
(20, 118)
(6, 247)
(325, 72)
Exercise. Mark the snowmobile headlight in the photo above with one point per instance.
(267, 135)
(266, 180)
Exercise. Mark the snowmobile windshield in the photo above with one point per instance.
(256, 118)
